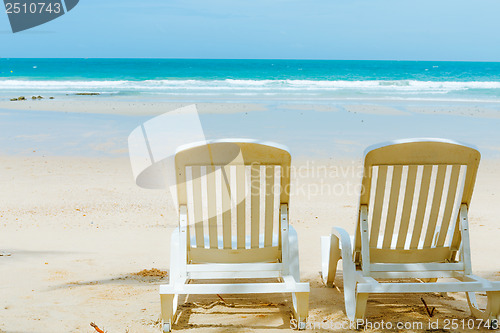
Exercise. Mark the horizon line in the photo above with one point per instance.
(269, 59)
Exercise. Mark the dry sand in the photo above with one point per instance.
(79, 228)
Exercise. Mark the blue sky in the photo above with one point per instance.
(277, 29)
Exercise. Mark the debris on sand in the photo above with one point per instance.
(153, 272)
(96, 328)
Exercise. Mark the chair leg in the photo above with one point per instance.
(361, 300)
(492, 311)
(330, 255)
(168, 309)
(174, 272)
(293, 254)
(300, 308)
(355, 303)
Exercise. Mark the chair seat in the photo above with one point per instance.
(419, 287)
(288, 286)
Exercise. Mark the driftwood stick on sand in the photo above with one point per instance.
(96, 328)
(430, 312)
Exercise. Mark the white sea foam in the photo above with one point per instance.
(228, 85)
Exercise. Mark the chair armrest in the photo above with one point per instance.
(333, 248)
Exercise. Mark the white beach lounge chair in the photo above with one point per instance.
(412, 224)
(216, 182)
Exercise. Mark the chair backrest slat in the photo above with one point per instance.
(226, 206)
(240, 206)
(231, 190)
(255, 206)
(197, 204)
(393, 205)
(413, 190)
(407, 205)
(212, 207)
(435, 206)
(422, 205)
(450, 203)
(378, 204)
(269, 205)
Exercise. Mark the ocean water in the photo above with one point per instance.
(240, 80)
(322, 109)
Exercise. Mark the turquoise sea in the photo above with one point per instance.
(183, 79)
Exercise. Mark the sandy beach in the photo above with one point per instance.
(80, 233)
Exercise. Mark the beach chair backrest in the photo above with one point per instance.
(233, 190)
(414, 190)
